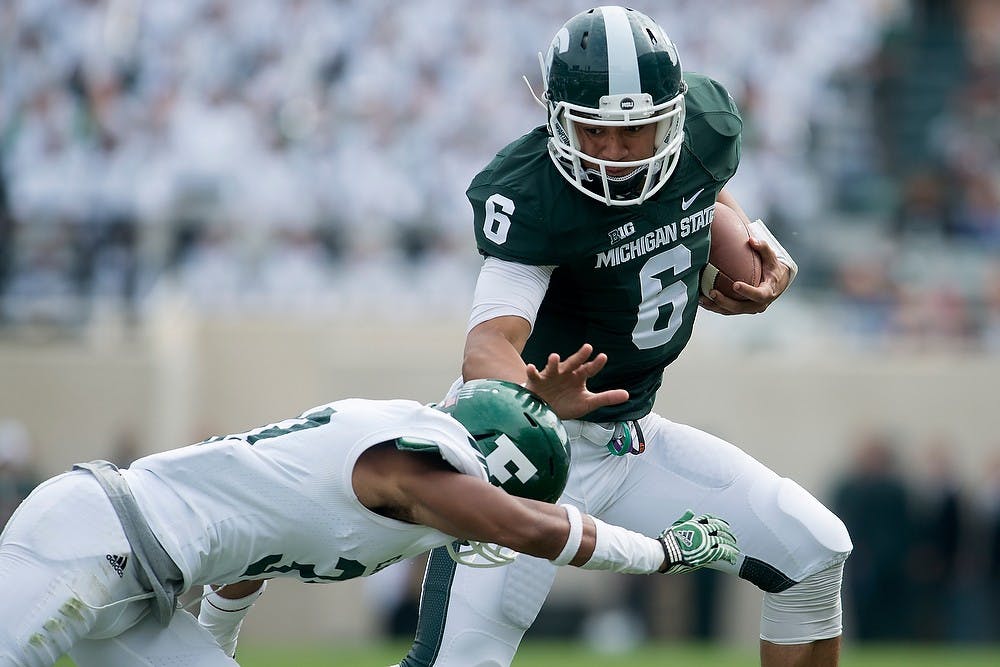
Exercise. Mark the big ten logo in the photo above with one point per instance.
(623, 232)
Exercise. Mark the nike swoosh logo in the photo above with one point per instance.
(686, 203)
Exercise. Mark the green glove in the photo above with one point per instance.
(695, 541)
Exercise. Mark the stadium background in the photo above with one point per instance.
(216, 213)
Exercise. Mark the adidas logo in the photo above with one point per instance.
(118, 562)
(685, 536)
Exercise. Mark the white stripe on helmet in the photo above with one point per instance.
(623, 62)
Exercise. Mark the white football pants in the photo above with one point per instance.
(68, 585)
(476, 618)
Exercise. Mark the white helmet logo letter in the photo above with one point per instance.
(506, 453)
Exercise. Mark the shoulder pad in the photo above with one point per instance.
(713, 126)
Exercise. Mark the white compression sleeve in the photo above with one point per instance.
(808, 611)
(621, 550)
(223, 616)
(508, 288)
(574, 538)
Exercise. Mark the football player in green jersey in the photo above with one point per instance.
(594, 229)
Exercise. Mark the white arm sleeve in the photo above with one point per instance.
(508, 288)
(621, 550)
(760, 232)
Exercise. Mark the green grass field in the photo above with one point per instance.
(561, 654)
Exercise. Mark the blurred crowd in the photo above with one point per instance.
(926, 559)
(18, 475)
(312, 155)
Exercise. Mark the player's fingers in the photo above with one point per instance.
(715, 521)
(728, 554)
(764, 249)
(727, 306)
(725, 537)
(579, 357)
(757, 298)
(551, 365)
(605, 398)
(594, 366)
(708, 304)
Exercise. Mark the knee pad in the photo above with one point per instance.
(805, 612)
(806, 538)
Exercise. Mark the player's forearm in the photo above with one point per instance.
(240, 589)
(609, 547)
(690, 543)
(493, 350)
(223, 610)
(496, 366)
(567, 536)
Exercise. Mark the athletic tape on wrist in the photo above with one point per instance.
(760, 231)
(574, 539)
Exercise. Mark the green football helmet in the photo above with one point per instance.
(524, 444)
(613, 66)
(524, 448)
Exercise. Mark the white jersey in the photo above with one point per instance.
(280, 501)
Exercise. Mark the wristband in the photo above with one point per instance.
(574, 538)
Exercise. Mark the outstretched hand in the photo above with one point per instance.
(563, 383)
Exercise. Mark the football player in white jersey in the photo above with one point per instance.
(92, 563)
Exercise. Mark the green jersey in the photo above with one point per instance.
(626, 277)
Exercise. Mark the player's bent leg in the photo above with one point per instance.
(801, 626)
(809, 537)
(182, 643)
(63, 578)
(472, 617)
(784, 533)
(801, 614)
(822, 653)
(793, 547)
(41, 616)
(806, 612)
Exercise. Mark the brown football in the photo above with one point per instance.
(731, 258)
